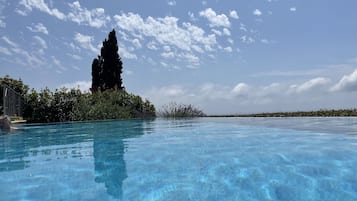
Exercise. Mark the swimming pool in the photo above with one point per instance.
(250, 159)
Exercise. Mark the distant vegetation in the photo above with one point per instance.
(174, 110)
(319, 113)
(108, 100)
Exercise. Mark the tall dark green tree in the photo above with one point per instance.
(107, 68)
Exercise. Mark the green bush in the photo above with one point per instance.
(73, 105)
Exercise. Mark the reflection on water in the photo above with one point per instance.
(55, 143)
(109, 148)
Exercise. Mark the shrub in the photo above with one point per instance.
(174, 110)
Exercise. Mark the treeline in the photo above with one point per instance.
(319, 113)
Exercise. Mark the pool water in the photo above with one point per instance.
(245, 159)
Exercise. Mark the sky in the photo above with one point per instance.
(223, 56)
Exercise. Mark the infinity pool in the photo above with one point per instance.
(243, 159)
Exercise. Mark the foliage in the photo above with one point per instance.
(174, 110)
(112, 104)
(14, 96)
(73, 105)
(16, 85)
(319, 113)
(107, 68)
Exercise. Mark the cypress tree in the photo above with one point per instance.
(107, 68)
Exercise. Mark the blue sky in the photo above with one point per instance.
(224, 56)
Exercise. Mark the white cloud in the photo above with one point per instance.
(38, 28)
(84, 86)
(85, 42)
(228, 49)
(310, 85)
(171, 3)
(6, 51)
(242, 27)
(2, 23)
(347, 83)
(293, 9)
(28, 5)
(240, 89)
(166, 31)
(265, 41)
(192, 16)
(214, 19)
(168, 55)
(171, 91)
(128, 72)
(215, 31)
(231, 41)
(74, 56)
(95, 18)
(126, 53)
(190, 58)
(33, 59)
(164, 64)
(9, 42)
(226, 32)
(233, 14)
(152, 46)
(136, 43)
(40, 41)
(247, 39)
(257, 12)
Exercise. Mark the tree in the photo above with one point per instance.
(16, 85)
(107, 68)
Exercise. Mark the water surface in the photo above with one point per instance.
(249, 159)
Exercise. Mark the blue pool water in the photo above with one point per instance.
(243, 159)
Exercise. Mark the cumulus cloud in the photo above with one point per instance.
(226, 32)
(257, 12)
(85, 41)
(293, 9)
(95, 18)
(233, 14)
(28, 5)
(214, 19)
(310, 85)
(347, 83)
(166, 31)
(38, 28)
